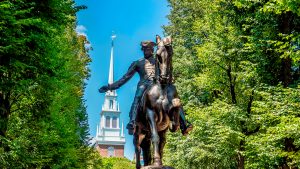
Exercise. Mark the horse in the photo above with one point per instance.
(159, 110)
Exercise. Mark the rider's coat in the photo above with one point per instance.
(146, 70)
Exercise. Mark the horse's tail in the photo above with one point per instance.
(160, 116)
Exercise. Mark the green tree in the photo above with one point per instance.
(43, 64)
(229, 59)
(117, 163)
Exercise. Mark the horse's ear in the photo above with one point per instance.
(158, 39)
(170, 39)
(167, 40)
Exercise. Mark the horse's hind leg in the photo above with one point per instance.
(154, 138)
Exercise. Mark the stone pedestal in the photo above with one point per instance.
(157, 167)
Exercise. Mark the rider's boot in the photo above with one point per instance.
(185, 126)
(132, 114)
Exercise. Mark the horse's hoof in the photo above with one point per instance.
(157, 162)
(187, 130)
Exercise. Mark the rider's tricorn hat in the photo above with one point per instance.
(147, 44)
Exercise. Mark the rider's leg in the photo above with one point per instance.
(185, 126)
(132, 114)
(134, 108)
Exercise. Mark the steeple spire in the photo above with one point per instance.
(109, 134)
(111, 66)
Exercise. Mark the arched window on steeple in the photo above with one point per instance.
(114, 122)
(111, 104)
(107, 121)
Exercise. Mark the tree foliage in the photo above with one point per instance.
(43, 64)
(236, 65)
(117, 163)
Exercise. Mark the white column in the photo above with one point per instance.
(97, 131)
(100, 131)
(118, 122)
(110, 122)
(122, 132)
(102, 121)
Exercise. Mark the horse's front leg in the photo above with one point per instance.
(175, 106)
(162, 142)
(154, 137)
(146, 144)
(136, 142)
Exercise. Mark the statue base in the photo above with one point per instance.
(157, 167)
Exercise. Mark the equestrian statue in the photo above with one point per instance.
(156, 106)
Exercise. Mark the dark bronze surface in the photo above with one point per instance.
(159, 111)
(156, 106)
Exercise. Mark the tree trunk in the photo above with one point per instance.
(285, 27)
(289, 147)
(231, 83)
(241, 158)
(286, 74)
(4, 114)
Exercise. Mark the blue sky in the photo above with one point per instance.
(132, 21)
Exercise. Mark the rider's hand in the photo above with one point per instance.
(103, 89)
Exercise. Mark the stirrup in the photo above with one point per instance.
(131, 127)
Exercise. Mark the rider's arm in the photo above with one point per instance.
(125, 78)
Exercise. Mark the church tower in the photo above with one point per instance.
(110, 138)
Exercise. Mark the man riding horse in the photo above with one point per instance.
(145, 67)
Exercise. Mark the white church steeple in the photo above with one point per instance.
(111, 65)
(110, 132)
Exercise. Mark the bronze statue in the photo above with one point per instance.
(159, 111)
(145, 67)
(156, 105)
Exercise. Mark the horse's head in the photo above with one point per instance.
(164, 54)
